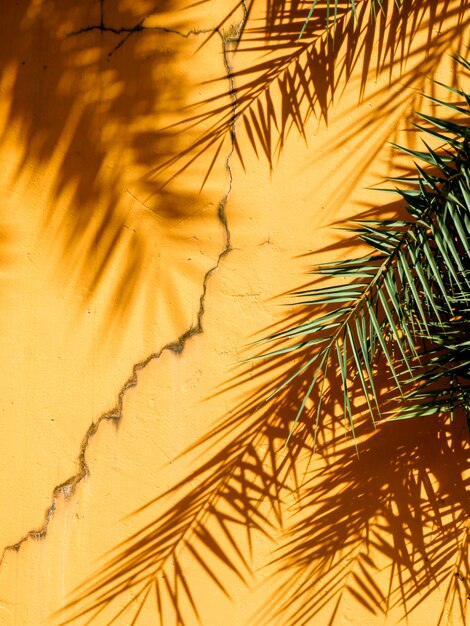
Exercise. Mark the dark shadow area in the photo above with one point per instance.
(91, 86)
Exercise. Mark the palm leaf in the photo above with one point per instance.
(402, 308)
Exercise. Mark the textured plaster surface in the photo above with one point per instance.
(194, 275)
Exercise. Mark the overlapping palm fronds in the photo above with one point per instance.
(400, 314)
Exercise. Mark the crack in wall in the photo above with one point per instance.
(128, 31)
(137, 28)
(177, 346)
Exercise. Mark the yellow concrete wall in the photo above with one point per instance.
(144, 477)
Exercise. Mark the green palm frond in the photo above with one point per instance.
(399, 316)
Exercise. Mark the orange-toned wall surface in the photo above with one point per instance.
(169, 173)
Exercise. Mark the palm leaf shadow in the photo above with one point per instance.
(385, 526)
(232, 489)
(281, 82)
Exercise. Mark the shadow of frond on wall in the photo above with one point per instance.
(385, 524)
(282, 82)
